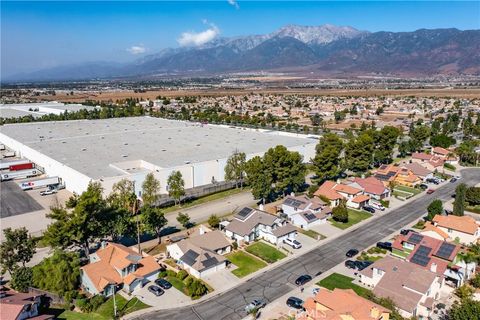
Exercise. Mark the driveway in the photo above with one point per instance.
(171, 297)
(223, 279)
(327, 229)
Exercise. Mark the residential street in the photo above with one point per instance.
(279, 280)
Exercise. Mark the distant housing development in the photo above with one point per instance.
(111, 149)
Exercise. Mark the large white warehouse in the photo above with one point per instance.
(111, 149)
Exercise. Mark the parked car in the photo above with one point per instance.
(303, 279)
(369, 209)
(255, 305)
(430, 191)
(458, 177)
(385, 245)
(350, 264)
(453, 180)
(360, 265)
(433, 180)
(294, 302)
(352, 252)
(48, 192)
(423, 186)
(293, 243)
(377, 206)
(164, 284)
(156, 290)
(406, 231)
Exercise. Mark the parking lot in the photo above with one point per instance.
(15, 201)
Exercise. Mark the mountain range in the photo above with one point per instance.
(326, 49)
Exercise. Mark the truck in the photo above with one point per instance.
(22, 166)
(5, 164)
(9, 154)
(22, 174)
(40, 183)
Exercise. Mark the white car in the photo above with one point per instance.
(316, 290)
(48, 192)
(457, 177)
(377, 206)
(293, 243)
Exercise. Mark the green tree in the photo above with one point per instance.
(258, 178)
(150, 190)
(472, 196)
(435, 207)
(214, 221)
(467, 154)
(459, 204)
(154, 220)
(235, 168)
(183, 219)
(385, 140)
(123, 194)
(59, 274)
(418, 136)
(359, 153)
(340, 212)
(22, 279)
(442, 140)
(327, 158)
(116, 223)
(176, 186)
(466, 309)
(17, 248)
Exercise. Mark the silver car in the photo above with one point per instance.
(255, 305)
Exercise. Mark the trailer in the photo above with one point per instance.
(9, 154)
(22, 166)
(22, 174)
(5, 164)
(40, 183)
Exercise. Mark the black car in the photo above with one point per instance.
(303, 279)
(360, 265)
(164, 284)
(156, 290)
(369, 209)
(294, 302)
(423, 186)
(352, 252)
(453, 180)
(385, 245)
(350, 264)
(406, 231)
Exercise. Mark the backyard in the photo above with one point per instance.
(354, 217)
(265, 252)
(340, 281)
(245, 262)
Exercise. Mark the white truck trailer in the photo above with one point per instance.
(41, 183)
(5, 164)
(21, 174)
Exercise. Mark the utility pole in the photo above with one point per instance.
(137, 219)
(114, 303)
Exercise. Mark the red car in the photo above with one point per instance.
(430, 191)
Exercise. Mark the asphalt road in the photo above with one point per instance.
(15, 201)
(277, 282)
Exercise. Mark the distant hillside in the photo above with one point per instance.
(327, 48)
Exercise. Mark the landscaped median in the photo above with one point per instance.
(245, 262)
(354, 217)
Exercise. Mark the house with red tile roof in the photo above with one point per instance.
(412, 288)
(430, 161)
(338, 304)
(463, 229)
(18, 306)
(446, 154)
(438, 256)
(396, 174)
(335, 192)
(115, 267)
(371, 187)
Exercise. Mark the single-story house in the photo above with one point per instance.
(372, 187)
(115, 266)
(464, 228)
(335, 192)
(419, 170)
(306, 219)
(202, 254)
(251, 224)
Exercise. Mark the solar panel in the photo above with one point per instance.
(189, 257)
(210, 261)
(244, 213)
(415, 238)
(421, 256)
(310, 216)
(445, 250)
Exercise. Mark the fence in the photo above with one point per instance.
(54, 299)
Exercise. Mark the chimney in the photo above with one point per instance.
(201, 230)
(104, 244)
(363, 176)
(433, 267)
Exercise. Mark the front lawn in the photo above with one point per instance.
(105, 311)
(354, 217)
(408, 189)
(245, 262)
(336, 280)
(312, 234)
(265, 252)
(177, 284)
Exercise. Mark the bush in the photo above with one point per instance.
(476, 281)
(464, 292)
(182, 274)
(96, 301)
(197, 289)
(449, 166)
(235, 245)
(171, 273)
(340, 213)
(188, 281)
(83, 304)
(162, 274)
(385, 203)
(22, 279)
(311, 190)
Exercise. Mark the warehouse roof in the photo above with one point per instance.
(97, 147)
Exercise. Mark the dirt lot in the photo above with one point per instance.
(119, 95)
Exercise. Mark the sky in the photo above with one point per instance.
(37, 35)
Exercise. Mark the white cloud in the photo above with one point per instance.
(198, 38)
(234, 3)
(137, 49)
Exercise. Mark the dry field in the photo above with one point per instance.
(119, 95)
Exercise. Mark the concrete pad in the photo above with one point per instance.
(326, 229)
(171, 297)
(222, 280)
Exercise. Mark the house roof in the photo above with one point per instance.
(399, 280)
(198, 258)
(346, 189)
(360, 198)
(463, 224)
(371, 185)
(326, 190)
(213, 240)
(255, 217)
(430, 227)
(302, 202)
(421, 156)
(116, 257)
(12, 304)
(441, 151)
(284, 230)
(418, 169)
(342, 303)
